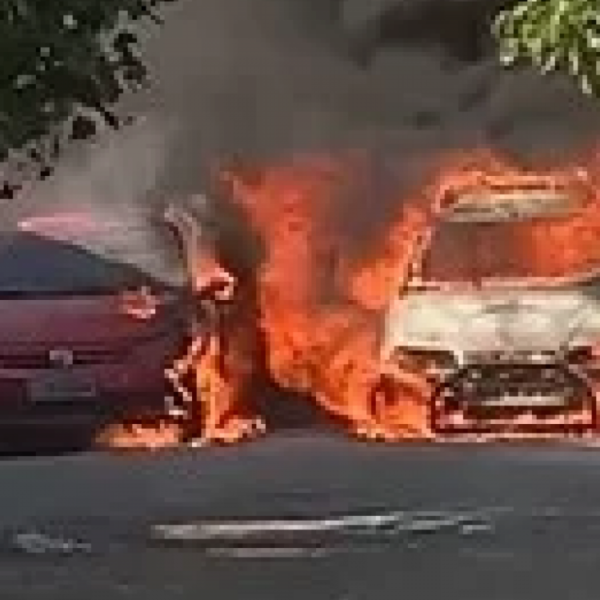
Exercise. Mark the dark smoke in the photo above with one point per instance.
(269, 77)
(464, 36)
(404, 79)
(264, 78)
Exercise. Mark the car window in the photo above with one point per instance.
(150, 247)
(35, 264)
(510, 250)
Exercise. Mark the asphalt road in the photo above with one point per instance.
(460, 522)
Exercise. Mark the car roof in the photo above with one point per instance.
(511, 205)
(84, 221)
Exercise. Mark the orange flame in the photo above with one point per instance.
(320, 326)
(321, 304)
(219, 359)
(321, 312)
(139, 436)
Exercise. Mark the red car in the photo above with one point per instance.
(90, 316)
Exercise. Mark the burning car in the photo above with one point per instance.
(90, 316)
(496, 319)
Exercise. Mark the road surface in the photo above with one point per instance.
(418, 522)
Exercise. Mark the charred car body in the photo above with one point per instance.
(500, 347)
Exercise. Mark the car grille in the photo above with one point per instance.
(41, 359)
(510, 357)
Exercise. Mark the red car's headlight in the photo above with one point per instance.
(143, 304)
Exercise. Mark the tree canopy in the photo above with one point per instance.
(554, 35)
(65, 64)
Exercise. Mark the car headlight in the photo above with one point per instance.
(427, 361)
(145, 304)
(584, 355)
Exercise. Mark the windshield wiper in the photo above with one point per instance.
(10, 294)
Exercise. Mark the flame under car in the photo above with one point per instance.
(88, 323)
(505, 338)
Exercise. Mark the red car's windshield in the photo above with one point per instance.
(36, 265)
(471, 252)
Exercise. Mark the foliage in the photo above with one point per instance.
(554, 35)
(65, 63)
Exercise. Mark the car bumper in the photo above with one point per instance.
(70, 414)
(130, 391)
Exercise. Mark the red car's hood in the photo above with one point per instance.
(88, 320)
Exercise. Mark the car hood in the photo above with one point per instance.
(492, 320)
(72, 321)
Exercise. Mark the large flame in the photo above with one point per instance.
(322, 307)
(321, 304)
(320, 313)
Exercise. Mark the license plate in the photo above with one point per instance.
(61, 386)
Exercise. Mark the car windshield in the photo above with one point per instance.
(32, 264)
(473, 252)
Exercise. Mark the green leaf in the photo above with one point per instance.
(553, 35)
(551, 62)
(575, 61)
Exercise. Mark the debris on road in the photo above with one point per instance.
(483, 527)
(329, 530)
(38, 543)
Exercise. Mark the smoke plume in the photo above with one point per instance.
(269, 79)
(264, 79)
